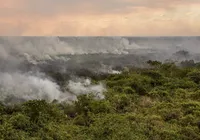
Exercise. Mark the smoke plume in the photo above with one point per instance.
(25, 63)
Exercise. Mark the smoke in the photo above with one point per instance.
(84, 86)
(108, 69)
(20, 83)
(27, 87)
(18, 87)
(45, 47)
(40, 47)
(26, 61)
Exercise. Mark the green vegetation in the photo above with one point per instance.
(159, 103)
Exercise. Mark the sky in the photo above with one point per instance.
(99, 17)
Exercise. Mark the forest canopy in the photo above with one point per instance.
(161, 102)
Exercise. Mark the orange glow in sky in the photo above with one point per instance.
(100, 18)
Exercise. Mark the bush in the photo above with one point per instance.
(161, 102)
(194, 76)
(20, 121)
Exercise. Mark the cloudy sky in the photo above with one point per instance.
(100, 17)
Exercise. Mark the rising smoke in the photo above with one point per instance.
(26, 61)
(17, 87)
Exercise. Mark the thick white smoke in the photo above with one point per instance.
(17, 87)
(84, 86)
(39, 47)
(27, 87)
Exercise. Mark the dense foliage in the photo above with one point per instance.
(159, 103)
